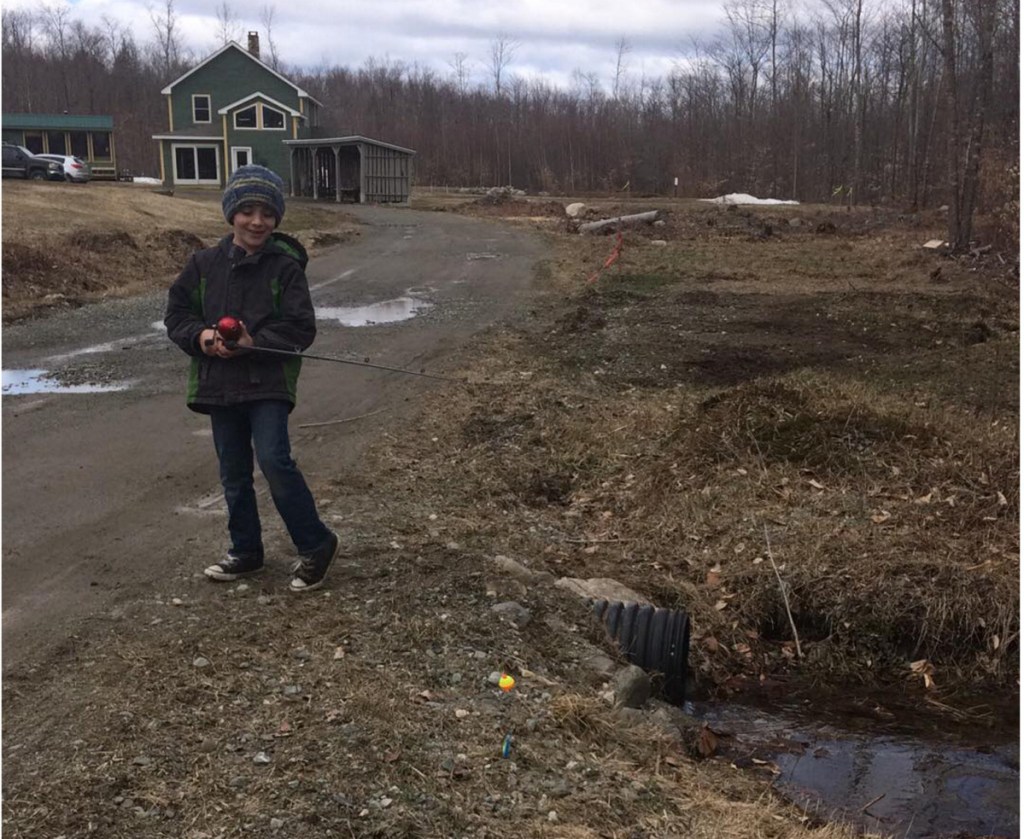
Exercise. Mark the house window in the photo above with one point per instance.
(55, 143)
(272, 118)
(246, 118)
(260, 116)
(240, 156)
(201, 107)
(100, 145)
(196, 165)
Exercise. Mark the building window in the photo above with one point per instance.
(260, 116)
(100, 145)
(272, 118)
(55, 143)
(246, 118)
(196, 165)
(240, 156)
(201, 107)
(34, 141)
(80, 144)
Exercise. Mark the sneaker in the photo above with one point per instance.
(311, 570)
(234, 566)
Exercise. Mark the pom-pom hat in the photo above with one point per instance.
(253, 183)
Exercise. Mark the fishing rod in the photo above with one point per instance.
(230, 330)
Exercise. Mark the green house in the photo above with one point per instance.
(228, 111)
(232, 109)
(90, 137)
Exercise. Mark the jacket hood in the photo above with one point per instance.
(290, 246)
(277, 243)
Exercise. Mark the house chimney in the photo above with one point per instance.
(254, 44)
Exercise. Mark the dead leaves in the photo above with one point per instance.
(925, 670)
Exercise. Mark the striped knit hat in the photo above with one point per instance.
(253, 183)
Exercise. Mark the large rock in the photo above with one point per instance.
(631, 687)
(575, 210)
(600, 588)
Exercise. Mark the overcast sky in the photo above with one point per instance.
(555, 37)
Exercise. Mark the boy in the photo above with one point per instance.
(257, 276)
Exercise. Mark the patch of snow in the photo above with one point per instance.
(744, 198)
(140, 180)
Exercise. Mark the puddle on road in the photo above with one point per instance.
(890, 783)
(25, 382)
(388, 311)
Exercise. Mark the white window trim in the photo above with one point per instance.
(234, 158)
(234, 118)
(209, 108)
(197, 180)
(259, 106)
(284, 118)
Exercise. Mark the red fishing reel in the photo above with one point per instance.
(229, 328)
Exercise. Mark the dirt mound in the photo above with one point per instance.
(112, 244)
(178, 244)
(102, 241)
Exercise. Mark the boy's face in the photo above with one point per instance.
(253, 223)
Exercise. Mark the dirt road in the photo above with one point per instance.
(109, 492)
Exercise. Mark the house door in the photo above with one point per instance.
(240, 156)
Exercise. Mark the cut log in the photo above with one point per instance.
(619, 221)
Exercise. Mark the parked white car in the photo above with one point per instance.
(75, 169)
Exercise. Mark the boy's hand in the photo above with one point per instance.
(208, 340)
(213, 344)
(225, 349)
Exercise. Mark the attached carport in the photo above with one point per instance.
(355, 169)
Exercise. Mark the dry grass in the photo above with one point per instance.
(653, 427)
(661, 425)
(117, 239)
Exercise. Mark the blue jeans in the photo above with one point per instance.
(263, 426)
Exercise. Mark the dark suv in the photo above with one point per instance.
(19, 162)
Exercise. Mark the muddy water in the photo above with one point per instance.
(24, 382)
(387, 311)
(889, 772)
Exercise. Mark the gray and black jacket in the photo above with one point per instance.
(268, 291)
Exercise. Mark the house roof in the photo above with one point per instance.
(350, 140)
(196, 133)
(236, 46)
(68, 122)
(265, 98)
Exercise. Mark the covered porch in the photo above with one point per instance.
(352, 169)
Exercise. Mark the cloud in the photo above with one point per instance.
(554, 38)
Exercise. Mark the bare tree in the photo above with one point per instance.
(622, 50)
(503, 49)
(168, 38)
(966, 131)
(267, 15)
(56, 24)
(228, 27)
(460, 71)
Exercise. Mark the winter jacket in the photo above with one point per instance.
(268, 291)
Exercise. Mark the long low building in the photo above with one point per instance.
(90, 137)
(353, 168)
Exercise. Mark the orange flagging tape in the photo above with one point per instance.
(612, 258)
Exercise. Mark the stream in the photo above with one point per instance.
(881, 763)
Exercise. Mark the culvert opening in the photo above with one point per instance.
(651, 637)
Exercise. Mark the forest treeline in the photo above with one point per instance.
(912, 104)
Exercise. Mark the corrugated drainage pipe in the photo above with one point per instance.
(651, 638)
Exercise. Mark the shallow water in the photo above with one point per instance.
(25, 382)
(387, 311)
(908, 785)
